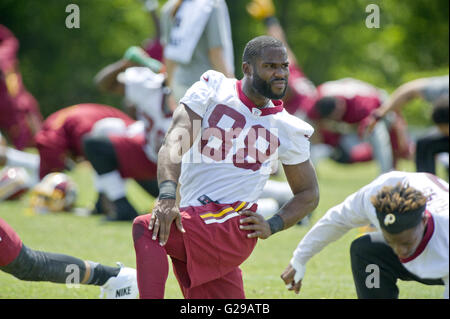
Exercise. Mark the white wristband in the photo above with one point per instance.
(299, 270)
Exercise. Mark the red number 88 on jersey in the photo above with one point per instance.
(226, 126)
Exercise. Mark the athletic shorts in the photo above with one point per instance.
(214, 248)
(132, 160)
(10, 244)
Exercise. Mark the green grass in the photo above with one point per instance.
(328, 273)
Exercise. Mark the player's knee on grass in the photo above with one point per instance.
(100, 152)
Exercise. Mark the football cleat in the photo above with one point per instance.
(14, 182)
(55, 193)
(123, 286)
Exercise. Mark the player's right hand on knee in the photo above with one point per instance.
(164, 214)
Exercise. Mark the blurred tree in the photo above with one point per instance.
(57, 63)
(330, 39)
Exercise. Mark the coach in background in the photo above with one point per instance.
(196, 35)
(410, 212)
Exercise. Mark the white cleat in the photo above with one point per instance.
(123, 286)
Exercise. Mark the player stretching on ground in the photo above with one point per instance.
(410, 212)
(27, 264)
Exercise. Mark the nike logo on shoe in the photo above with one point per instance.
(123, 292)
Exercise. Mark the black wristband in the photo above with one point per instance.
(167, 190)
(276, 223)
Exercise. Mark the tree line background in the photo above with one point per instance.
(329, 38)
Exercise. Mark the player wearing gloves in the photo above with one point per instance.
(410, 213)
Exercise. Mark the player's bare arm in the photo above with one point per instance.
(179, 139)
(396, 101)
(303, 182)
(106, 79)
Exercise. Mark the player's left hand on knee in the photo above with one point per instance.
(256, 223)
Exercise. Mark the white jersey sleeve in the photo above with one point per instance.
(200, 95)
(357, 210)
(140, 83)
(295, 134)
(333, 225)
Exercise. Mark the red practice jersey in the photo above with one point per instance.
(62, 133)
(19, 111)
(361, 98)
(302, 93)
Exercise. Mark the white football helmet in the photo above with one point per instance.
(55, 193)
(14, 182)
(108, 126)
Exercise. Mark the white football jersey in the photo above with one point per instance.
(145, 90)
(431, 259)
(231, 158)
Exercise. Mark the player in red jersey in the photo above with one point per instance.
(20, 117)
(344, 106)
(61, 136)
(60, 141)
(27, 264)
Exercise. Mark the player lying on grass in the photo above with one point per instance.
(410, 212)
(27, 264)
(215, 227)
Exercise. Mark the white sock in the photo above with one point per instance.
(16, 158)
(111, 184)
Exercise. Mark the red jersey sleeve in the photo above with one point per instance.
(8, 48)
(52, 147)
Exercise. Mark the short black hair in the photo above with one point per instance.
(254, 47)
(325, 106)
(440, 111)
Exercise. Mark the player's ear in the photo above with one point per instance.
(247, 69)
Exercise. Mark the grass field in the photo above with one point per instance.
(328, 273)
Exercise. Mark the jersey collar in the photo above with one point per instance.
(426, 238)
(278, 104)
